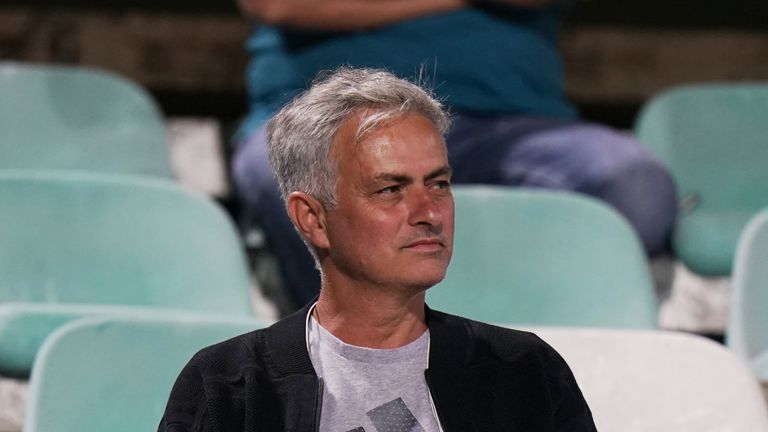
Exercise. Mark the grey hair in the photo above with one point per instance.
(301, 135)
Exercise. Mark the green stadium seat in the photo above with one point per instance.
(713, 139)
(535, 257)
(77, 244)
(55, 117)
(96, 375)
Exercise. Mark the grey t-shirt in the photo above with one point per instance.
(371, 390)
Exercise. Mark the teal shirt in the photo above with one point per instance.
(481, 61)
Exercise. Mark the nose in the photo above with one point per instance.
(426, 208)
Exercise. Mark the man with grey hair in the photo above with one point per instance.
(363, 169)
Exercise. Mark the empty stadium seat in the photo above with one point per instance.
(57, 117)
(713, 139)
(96, 375)
(77, 244)
(543, 257)
(747, 331)
(654, 381)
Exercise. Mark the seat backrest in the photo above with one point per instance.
(94, 375)
(708, 133)
(747, 331)
(115, 375)
(96, 239)
(660, 381)
(76, 118)
(543, 257)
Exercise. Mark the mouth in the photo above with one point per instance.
(426, 245)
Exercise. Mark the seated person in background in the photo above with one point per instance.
(495, 64)
(364, 173)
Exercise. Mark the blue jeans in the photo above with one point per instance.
(509, 150)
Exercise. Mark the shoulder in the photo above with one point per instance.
(217, 387)
(227, 357)
(503, 342)
(506, 363)
(279, 349)
(223, 369)
(216, 373)
(512, 343)
(514, 351)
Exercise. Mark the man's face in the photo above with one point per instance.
(393, 225)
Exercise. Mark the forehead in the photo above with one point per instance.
(396, 137)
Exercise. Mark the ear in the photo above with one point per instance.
(308, 216)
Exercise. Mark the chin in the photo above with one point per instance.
(426, 281)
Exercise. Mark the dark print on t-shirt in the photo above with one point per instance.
(393, 416)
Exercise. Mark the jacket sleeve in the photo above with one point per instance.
(186, 407)
(571, 410)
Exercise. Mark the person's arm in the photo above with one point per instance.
(528, 4)
(343, 14)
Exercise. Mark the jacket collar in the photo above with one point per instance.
(448, 336)
(287, 343)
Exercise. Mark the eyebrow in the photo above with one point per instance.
(401, 178)
(439, 172)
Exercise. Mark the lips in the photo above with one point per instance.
(426, 243)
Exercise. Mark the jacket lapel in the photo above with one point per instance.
(295, 379)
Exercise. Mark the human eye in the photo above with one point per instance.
(389, 189)
(441, 184)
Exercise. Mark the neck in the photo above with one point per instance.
(371, 318)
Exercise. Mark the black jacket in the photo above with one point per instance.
(482, 378)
